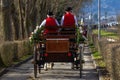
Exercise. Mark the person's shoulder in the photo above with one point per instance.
(63, 14)
(44, 20)
(72, 13)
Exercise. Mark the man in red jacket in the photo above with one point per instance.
(69, 19)
(50, 22)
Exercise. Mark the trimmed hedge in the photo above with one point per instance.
(11, 51)
(110, 52)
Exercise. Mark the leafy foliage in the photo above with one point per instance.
(36, 35)
(79, 36)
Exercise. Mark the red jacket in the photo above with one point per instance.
(50, 22)
(68, 19)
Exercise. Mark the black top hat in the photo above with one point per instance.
(50, 13)
(68, 8)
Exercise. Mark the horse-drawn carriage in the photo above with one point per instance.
(58, 46)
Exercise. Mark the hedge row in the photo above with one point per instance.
(110, 52)
(11, 51)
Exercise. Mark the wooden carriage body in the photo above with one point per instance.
(57, 46)
(57, 50)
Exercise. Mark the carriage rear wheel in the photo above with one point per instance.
(39, 69)
(81, 68)
(81, 63)
(35, 70)
(35, 62)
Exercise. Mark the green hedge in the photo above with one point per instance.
(110, 52)
(11, 51)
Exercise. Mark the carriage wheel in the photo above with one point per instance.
(72, 65)
(80, 58)
(39, 69)
(81, 68)
(35, 70)
(39, 63)
(35, 62)
(41, 60)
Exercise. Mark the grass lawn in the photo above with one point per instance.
(107, 34)
(97, 57)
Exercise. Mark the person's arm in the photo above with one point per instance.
(57, 22)
(76, 22)
(43, 23)
(62, 20)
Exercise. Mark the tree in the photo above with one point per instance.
(19, 17)
(15, 20)
(6, 17)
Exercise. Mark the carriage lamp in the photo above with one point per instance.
(46, 54)
(69, 54)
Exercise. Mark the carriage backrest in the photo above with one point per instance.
(52, 27)
(57, 45)
(68, 26)
(68, 29)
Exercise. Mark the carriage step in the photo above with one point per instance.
(42, 66)
(75, 67)
(78, 61)
(73, 48)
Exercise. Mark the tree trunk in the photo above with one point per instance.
(21, 21)
(1, 25)
(6, 17)
(15, 22)
(27, 16)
